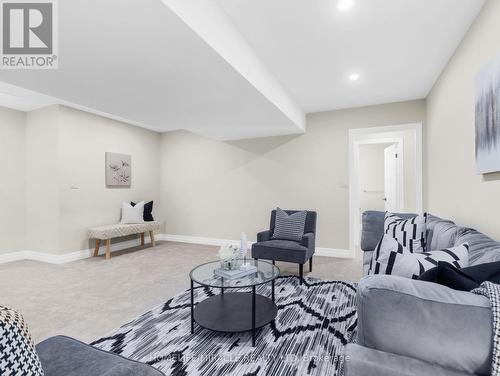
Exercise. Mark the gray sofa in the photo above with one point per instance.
(65, 356)
(410, 327)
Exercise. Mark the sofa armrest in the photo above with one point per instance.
(362, 361)
(264, 236)
(308, 240)
(367, 260)
(426, 321)
(65, 356)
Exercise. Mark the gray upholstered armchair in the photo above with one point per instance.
(268, 248)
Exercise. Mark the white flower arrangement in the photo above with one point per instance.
(228, 255)
(227, 252)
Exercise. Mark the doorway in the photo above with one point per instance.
(380, 175)
(385, 172)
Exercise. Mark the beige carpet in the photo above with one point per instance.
(89, 298)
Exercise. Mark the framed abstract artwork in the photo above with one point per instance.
(487, 112)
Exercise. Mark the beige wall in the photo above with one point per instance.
(454, 189)
(83, 141)
(207, 188)
(42, 180)
(12, 185)
(54, 158)
(218, 189)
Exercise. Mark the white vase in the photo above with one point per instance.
(243, 245)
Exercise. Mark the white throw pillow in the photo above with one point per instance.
(133, 214)
(390, 257)
(410, 233)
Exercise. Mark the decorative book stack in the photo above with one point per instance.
(241, 272)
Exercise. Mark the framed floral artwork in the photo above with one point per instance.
(118, 170)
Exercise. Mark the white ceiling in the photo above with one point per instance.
(231, 69)
(399, 47)
(139, 62)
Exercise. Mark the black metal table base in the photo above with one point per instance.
(233, 312)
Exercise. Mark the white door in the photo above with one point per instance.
(391, 178)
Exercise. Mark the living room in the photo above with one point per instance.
(236, 187)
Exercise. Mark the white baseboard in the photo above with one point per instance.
(63, 258)
(320, 251)
(334, 252)
(13, 256)
(199, 240)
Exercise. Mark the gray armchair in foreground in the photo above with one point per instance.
(268, 248)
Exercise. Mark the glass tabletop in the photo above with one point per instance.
(204, 274)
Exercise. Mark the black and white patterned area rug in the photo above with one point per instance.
(314, 323)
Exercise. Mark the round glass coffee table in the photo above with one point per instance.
(235, 311)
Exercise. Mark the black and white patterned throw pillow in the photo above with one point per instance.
(390, 257)
(289, 226)
(17, 351)
(410, 233)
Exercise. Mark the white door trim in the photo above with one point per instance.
(353, 169)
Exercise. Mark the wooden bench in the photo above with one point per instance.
(116, 231)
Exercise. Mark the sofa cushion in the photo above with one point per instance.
(426, 321)
(441, 234)
(64, 356)
(448, 275)
(411, 233)
(362, 361)
(373, 228)
(465, 279)
(367, 260)
(482, 248)
(281, 250)
(489, 271)
(390, 257)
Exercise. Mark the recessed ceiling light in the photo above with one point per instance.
(354, 76)
(345, 5)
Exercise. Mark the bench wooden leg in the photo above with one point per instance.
(152, 236)
(142, 239)
(97, 245)
(108, 249)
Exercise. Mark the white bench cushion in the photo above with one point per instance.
(118, 230)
